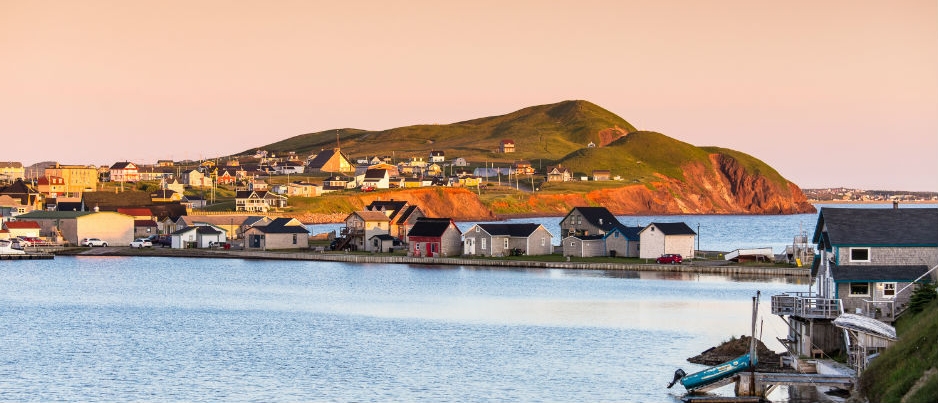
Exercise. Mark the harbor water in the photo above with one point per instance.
(174, 329)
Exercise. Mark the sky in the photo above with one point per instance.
(829, 93)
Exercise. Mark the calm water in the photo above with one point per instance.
(165, 329)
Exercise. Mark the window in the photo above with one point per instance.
(889, 290)
(294, 239)
(477, 228)
(506, 243)
(859, 289)
(859, 254)
(483, 244)
(543, 241)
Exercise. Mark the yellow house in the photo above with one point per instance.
(78, 178)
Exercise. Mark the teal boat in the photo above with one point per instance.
(718, 372)
(725, 370)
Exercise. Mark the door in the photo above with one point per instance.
(470, 248)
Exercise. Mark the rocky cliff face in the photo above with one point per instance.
(724, 187)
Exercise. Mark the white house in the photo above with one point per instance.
(659, 238)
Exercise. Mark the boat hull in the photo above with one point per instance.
(718, 372)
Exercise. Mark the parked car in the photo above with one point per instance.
(670, 258)
(92, 242)
(164, 241)
(141, 243)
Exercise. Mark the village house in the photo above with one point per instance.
(78, 178)
(559, 173)
(11, 171)
(12, 207)
(124, 172)
(507, 239)
(401, 216)
(333, 161)
(381, 243)
(165, 196)
(361, 226)
(869, 262)
(376, 179)
(22, 228)
(621, 241)
(434, 237)
(51, 186)
(587, 221)
(337, 183)
(28, 197)
(258, 201)
(507, 146)
(144, 221)
(195, 178)
(522, 168)
(659, 238)
(601, 175)
(437, 156)
(281, 233)
(460, 162)
(198, 236)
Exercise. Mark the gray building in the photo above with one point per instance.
(507, 240)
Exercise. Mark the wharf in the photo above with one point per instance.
(695, 267)
(27, 256)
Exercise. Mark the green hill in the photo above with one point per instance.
(546, 132)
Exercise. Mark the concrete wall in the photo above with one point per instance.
(114, 228)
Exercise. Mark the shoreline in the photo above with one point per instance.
(694, 267)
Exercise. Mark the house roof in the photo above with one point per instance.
(672, 228)
(282, 226)
(10, 164)
(21, 225)
(630, 233)
(394, 206)
(41, 214)
(372, 215)
(111, 201)
(587, 237)
(144, 223)
(597, 216)
(512, 229)
(877, 226)
(124, 165)
(376, 173)
(384, 237)
(404, 215)
(430, 227)
(857, 273)
(323, 158)
(135, 211)
(199, 229)
(68, 206)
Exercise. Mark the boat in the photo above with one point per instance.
(725, 370)
(6, 248)
(751, 254)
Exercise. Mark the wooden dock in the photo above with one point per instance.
(27, 256)
(764, 382)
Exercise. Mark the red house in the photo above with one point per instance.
(434, 237)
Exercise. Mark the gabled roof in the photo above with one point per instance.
(630, 233)
(324, 156)
(371, 215)
(394, 206)
(597, 216)
(877, 226)
(672, 228)
(41, 214)
(385, 237)
(135, 211)
(124, 165)
(282, 225)
(404, 215)
(21, 225)
(199, 229)
(376, 174)
(587, 237)
(431, 227)
(111, 201)
(144, 223)
(512, 229)
(857, 273)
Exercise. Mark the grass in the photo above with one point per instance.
(891, 376)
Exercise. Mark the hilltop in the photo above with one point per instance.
(654, 173)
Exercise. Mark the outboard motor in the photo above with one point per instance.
(677, 376)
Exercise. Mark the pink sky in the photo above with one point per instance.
(830, 93)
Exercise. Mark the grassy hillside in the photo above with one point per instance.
(907, 371)
(637, 157)
(546, 132)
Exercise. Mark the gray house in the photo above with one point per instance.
(870, 260)
(431, 237)
(587, 221)
(507, 240)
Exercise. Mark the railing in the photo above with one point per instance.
(805, 306)
(353, 231)
(883, 310)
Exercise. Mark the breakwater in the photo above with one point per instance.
(698, 267)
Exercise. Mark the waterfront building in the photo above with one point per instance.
(659, 238)
(507, 239)
(78, 178)
(434, 237)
